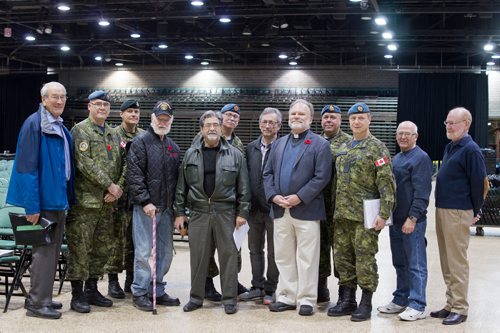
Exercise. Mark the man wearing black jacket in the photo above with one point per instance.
(259, 220)
(153, 162)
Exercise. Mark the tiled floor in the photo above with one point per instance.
(484, 293)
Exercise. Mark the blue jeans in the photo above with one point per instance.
(410, 261)
(142, 234)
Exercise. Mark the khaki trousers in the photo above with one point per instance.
(452, 230)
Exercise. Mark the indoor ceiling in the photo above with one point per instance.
(341, 33)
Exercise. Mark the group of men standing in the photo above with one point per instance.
(302, 194)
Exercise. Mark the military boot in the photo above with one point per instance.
(323, 292)
(79, 301)
(210, 292)
(364, 310)
(114, 288)
(94, 296)
(347, 304)
(341, 294)
(129, 278)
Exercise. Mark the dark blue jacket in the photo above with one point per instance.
(311, 172)
(460, 180)
(38, 180)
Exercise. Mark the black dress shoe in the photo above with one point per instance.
(454, 319)
(55, 304)
(443, 313)
(306, 310)
(143, 303)
(280, 307)
(230, 308)
(167, 300)
(241, 289)
(190, 306)
(45, 312)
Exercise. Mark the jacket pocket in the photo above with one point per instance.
(229, 175)
(191, 174)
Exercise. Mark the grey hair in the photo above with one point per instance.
(409, 123)
(463, 113)
(269, 111)
(306, 103)
(210, 114)
(45, 88)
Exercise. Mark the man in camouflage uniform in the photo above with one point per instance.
(331, 120)
(363, 171)
(99, 182)
(122, 253)
(230, 120)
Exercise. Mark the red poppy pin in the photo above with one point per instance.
(109, 147)
(169, 148)
(307, 142)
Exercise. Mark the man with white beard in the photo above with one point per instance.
(153, 162)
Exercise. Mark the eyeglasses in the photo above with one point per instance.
(404, 134)
(232, 115)
(451, 123)
(101, 105)
(271, 123)
(58, 97)
(163, 120)
(214, 125)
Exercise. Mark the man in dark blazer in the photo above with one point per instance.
(298, 169)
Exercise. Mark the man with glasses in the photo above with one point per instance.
(363, 171)
(461, 186)
(412, 169)
(99, 183)
(213, 183)
(331, 119)
(261, 224)
(153, 163)
(42, 183)
(122, 253)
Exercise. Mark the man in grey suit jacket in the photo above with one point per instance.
(298, 169)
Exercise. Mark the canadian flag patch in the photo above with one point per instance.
(123, 144)
(381, 161)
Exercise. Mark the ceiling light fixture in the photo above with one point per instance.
(63, 7)
(366, 18)
(197, 3)
(283, 23)
(374, 32)
(40, 29)
(488, 47)
(97, 58)
(283, 56)
(119, 64)
(135, 35)
(188, 57)
(496, 56)
(224, 19)
(380, 21)
(490, 63)
(265, 44)
(388, 56)
(355, 0)
(48, 29)
(103, 23)
(246, 31)
(392, 47)
(387, 35)
(163, 46)
(204, 63)
(30, 38)
(65, 48)
(292, 63)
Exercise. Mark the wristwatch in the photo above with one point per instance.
(413, 219)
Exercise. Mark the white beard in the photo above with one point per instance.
(160, 131)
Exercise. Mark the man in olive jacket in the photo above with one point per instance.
(213, 183)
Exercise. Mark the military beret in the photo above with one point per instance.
(230, 107)
(99, 94)
(358, 108)
(330, 109)
(130, 103)
(163, 107)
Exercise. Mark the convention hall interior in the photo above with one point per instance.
(406, 59)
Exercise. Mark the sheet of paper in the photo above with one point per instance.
(6, 253)
(239, 235)
(371, 208)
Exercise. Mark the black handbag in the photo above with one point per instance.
(26, 233)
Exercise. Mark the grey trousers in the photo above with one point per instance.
(44, 261)
(261, 230)
(208, 230)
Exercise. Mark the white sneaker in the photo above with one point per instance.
(411, 314)
(391, 308)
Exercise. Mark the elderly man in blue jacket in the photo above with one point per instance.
(298, 169)
(42, 183)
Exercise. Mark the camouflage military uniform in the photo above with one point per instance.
(213, 270)
(362, 172)
(122, 253)
(326, 226)
(99, 162)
